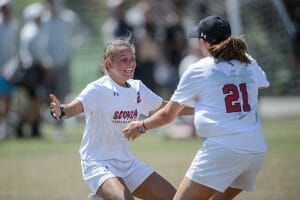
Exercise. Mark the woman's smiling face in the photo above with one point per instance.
(122, 66)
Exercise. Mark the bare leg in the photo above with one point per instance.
(114, 189)
(229, 194)
(155, 187)
(189, 190)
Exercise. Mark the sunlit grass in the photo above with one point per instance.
(49, 170)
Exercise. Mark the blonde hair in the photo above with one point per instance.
(229, 49)
(114, 47)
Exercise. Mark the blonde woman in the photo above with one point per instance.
(109, 104)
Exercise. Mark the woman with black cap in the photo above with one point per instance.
(223, 87)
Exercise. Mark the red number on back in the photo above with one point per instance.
(232, 98)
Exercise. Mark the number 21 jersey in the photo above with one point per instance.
(225, 97)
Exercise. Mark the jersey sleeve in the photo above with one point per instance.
(261, 77)
(150, 101)
(187, 87)
(87, 98)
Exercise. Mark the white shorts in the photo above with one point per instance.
(219, 168)
(133, 173)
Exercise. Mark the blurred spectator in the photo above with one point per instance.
(293, 8)
(296, 49)
(194, 54)
(148, 53)
(8, 39)
(33, 58)
(174, 49)
(183, 127)
(65, 34)
(115, 25)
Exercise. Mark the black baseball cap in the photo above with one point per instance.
(212, 29)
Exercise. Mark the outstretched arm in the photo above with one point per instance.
(163, 116)
(186, 110)
(64, 111)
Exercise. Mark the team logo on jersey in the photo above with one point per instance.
(138, 98)
(124, 116)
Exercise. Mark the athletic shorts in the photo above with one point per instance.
(219, 168)
(133, 172)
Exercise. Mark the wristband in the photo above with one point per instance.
(62, 113)
(141, 129)
(144, 125)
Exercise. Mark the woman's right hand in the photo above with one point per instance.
(55, 107)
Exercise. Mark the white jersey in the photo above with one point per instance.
(225, 97)
(108, 109)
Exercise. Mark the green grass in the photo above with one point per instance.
(45, 169)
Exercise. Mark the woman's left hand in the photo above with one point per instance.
(134, 130)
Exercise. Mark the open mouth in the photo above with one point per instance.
(128, 71)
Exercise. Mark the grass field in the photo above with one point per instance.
(44, 169)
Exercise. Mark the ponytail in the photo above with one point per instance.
(233, 48)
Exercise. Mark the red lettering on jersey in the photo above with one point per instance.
(135, 114)
(125, 114)
(116, 115)
(121, 114)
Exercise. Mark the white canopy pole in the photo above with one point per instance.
(233, 13)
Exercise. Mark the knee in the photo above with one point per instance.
(164, 193)
(115, 195)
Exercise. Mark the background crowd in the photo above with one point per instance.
(35, 60)
(38, 44)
